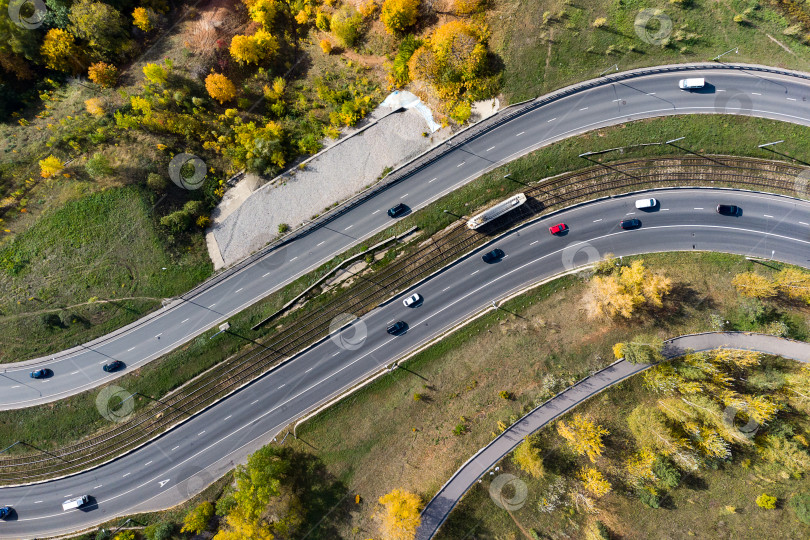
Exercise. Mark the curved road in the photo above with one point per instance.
(779, 97)
(438, 509)
(166, 471)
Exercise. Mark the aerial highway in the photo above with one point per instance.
(775, 96)
(179, 463)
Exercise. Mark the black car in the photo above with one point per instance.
(630, 223)
(115, 365)
(43, 373)
(397, 328)
(5, 512)
(493, 256)
(728, 210)
(397, 210)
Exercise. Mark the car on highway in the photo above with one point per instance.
(115, 365)
(728, 209)
(691, 84)
(413, 300)
(397, 210)
(493, 256)
(5, 511)
(397, 328)
(559, 228)
(43, 373)
(78, 502)
(630, 224)
(645, 204)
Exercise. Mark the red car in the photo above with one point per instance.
(557, 229)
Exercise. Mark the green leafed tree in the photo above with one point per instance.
(101, 26)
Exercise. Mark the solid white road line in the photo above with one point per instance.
(237, 290)
(791, 99)
(766, 215)
(349, 227)
(547, 121)
(433, 180)
(375, 212)
(533, 243)
(460, 164)
(519, 134)
(490, 148)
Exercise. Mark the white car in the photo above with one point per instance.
(691, 84)
(641, 204)
(78, 502)
(412, 300)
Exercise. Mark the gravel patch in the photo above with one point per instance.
(334, 175)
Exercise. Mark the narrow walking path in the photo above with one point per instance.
(437, 510)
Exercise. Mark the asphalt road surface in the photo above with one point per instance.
(178, 464)
(727, 91)
(439, 508)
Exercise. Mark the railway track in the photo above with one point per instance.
(368, 292)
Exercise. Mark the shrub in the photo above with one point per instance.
(600, 22)
(194, 208)
(347, 25)
(800, 504)
(417, 396)
(220, 87)
(398, 15)
(650, 497)
(157, 182)
(326, 46)
(739, 19)
(460, 429)
(94, 106)
(461, 112)
(159, 531)
(125, 535)
(322, 21)
(282, 228)
(177, 221)
(466, 7)
(98, 166)
(505, 394)
(50, 166)
(766, 501)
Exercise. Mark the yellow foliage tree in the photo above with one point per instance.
(264, 11)
(754, 285)
(399, 15)
(155, 74)
(144, 18)
(60, 51)
(528, 458)
(104, 75)
(253, 49)
(583, 436)
(639, 466)
(239, 527)
(220, 87)
(400, 516)
(368, 9)
(620, 294)
(196, 521)
(465, 7)
(50, 166)
(326, 46)
(794, 283)
(95, 106)
(594, 482)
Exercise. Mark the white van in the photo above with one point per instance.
(641, 204)
(78, 502)
(691, 84)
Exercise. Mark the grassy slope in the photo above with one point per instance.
(542, 57)
(106, 246)
(382, 438)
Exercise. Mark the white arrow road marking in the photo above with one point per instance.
(164, 482)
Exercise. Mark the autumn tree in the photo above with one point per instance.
(50, 166)
(220, 87)
(766, 501)
(399, 15)
(400, 515)
(255, 48)
(265, 12)
(95, 106)
(466, 7)
(594, 482)
(528, 457)
(620, 293)
(642, 350)
(239, 527)
(196, 521)
(776, 448)
(144, 18)
(155, 74)
(100, 25)
(584, 437)
(639, 466)
(326, 46)
(794, 283)
(103, 74)
(754, 285)
(19, 40)
(60, 51)
(347, 25)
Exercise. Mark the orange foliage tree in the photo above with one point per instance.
(220, 87)
(104, 75)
